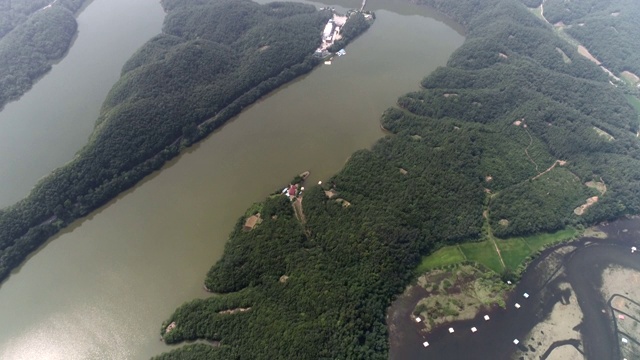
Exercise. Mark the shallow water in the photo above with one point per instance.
(581, 268)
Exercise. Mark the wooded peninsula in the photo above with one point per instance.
(34, 34)
(213, 59)
(518, 134)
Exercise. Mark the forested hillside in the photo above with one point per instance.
(608, 28)
(504, 137)
(32, 38)
(213, 59)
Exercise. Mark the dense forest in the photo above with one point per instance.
(608, 28)
(506, 135)
(213, 59)
(32, 38)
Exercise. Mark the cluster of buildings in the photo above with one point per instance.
(332, 32)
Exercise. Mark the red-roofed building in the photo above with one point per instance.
(293, 189)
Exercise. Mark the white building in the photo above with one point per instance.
(327, 34)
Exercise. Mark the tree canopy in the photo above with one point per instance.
(32, 38)
(506, 135)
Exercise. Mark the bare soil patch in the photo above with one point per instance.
(566, 352)
(618, 280)
(233, 311)
(598, 185)
(343, 202)
(170, 327)
(562, 324)
(330, 193)
(584, 52)
(631, 76)
(593, 232)
(582, 208)
(604, 134)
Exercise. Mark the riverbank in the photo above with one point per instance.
(564, 316)
(24, 227)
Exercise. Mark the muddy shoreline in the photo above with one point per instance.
(565, 287)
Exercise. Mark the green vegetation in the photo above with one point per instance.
(457, 293)
(448, 255)
(31, 40)
(213, 59)
(483, 252)
(635, 102)
(608, 28)
(514, 251)
(505, 129)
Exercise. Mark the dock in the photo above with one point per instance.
(364, 3)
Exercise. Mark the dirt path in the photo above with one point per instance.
(582, 50)
(526, 150)
(542, 12)
(297, 207)
(557, 162)
(485, 215)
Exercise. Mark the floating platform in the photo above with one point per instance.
(517, 306)
(526, 296)
(451, 331)
(425, 344)
(474, 329)
(516, 341)
(486, 318)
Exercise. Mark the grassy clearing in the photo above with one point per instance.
(565, 58)
(448, 255)
(604, 134)
(537, 242)
(635, 102)
(484, 253)
(514, 251)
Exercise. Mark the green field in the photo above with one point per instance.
(484, 253)
(635, 102)
(514, 251)
(537, 242)
(446, 256)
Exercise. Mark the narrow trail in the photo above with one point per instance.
(557, 162)
(485, 215)
(297, 207)
(526, 151)
(542, 12)
(588, 56)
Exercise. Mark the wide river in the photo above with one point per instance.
(101, 289)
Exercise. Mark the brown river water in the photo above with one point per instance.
(101, 288)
